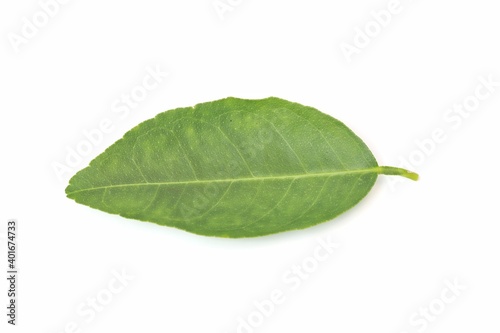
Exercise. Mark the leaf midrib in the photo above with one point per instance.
(376, 170)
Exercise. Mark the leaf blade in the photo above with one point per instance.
(232, 168)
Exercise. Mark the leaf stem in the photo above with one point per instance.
(388, 170)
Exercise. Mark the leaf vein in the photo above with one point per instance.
(259, 178)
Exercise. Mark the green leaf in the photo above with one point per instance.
(232, 168)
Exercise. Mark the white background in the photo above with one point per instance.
(397, 249)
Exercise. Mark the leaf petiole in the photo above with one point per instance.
(388, 170)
